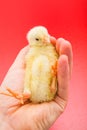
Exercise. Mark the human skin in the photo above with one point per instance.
(29, 116)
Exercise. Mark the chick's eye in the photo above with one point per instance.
(37, 39)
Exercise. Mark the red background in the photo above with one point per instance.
(63, 18)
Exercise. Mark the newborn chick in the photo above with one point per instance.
(41, 62)
(40, 82)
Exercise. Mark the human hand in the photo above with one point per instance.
(36, 116)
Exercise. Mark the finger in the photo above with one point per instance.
(53, 40)
(20, 59)
(63, 77)
(64, 48)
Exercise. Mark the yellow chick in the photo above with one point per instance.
(41, 62)
(40, 82)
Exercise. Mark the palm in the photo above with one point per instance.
(35, 115)
(38, 114)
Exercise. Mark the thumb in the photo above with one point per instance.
(20, 59)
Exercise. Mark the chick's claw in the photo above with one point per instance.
(22, 97)
(54, 80)
(54, 69)
(53, 85)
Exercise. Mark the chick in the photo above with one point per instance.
(41, 62)
(40, 82)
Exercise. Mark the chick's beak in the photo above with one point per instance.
(46, 40)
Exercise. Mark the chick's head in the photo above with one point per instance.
(38, 36)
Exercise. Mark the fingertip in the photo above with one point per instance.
(63, 46)
(19, 62)
(53, 40)
(63, 59)
(59, 42)
(63, 66)
(24, 50)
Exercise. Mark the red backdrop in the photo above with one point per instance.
(63, 18)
